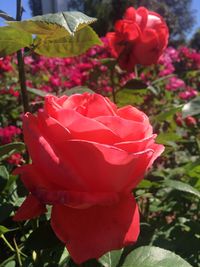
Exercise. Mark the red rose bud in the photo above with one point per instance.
(139, 38)
(190, 121)
(179, 121)
(87, 156)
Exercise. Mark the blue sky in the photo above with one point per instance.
(9, 6)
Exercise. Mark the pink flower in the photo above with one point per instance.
(175, 84)
(189, 93)
(55, 81)
(7, 133)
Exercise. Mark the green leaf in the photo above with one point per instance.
(149, 256)
(78, 90)
(3, 230)
(167, 138)
(145, 184)
(4, 176)
(191, 108)
(54, 26)
(153, 90)
(9, 264)
(182, 187)
(135, 84)
(36, 92)
(42, 238)
(11, 40)
(111, 259)
(165, 114)
(68, 46)
(109, 62)
(163, 79)
(194, 170)
(9, 149)
(64, 259)
(130, 97)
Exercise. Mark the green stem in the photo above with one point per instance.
(18, 253)
(7, 243)
(136, 71)
(20, 61)
(113, 85)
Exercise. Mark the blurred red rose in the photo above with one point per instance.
(139, 38)
(87, 156)
(190, 121)
(15, 159)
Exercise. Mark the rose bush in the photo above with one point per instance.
(139, 38)
(87, 156)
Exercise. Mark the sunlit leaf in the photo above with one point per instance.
(54, 26)
(162, 79)
(36, 92)
(111, 259)
(3, 230)
(145, 184)
(149, 256)
(11, 40)
(167, 138)
(191, 108)
(64, 258)
(73, 45)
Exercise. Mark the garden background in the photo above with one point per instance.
(168, 92)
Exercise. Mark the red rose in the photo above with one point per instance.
(87, 156)
(139, 38)
(190, 121)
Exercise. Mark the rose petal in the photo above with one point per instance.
(125, 129)
(56, 133)
(105, 167)
(137, 146)
(30, 208)
(53, 103)
(142, 17)
(94, 104)
(85, 128)
(75, 199)
(148, 45)
(158, 150)
(32, 178)
(133, 114)
(154, 20)
(128, 29)
(46, 158)
(127, 58)
(115, 44)
(89, 233)
(130, 13)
